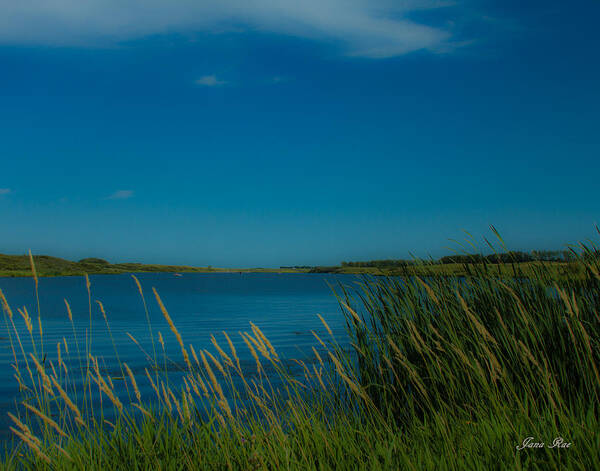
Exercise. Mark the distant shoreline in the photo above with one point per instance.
(17, 266)
(28, 274)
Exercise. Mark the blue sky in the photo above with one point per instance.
(262, 133)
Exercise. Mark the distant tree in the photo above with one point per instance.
(94, 261)
(388, 263)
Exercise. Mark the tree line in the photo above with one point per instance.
(504, 257)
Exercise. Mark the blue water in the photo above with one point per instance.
(284, 306)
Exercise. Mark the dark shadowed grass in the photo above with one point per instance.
(443, 373)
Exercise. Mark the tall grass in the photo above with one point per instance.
(441, 373)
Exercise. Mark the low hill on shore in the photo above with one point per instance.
(19, 265)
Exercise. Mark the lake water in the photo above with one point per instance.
(284, 306)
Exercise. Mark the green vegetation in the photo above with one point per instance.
(93, 261)
(506, 264)
(502, 257)
(516, 264)
(18, 265)
(523, 269)
(443, 373)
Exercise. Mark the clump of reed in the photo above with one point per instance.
(521, 351)
(440, 373)
(215, 404)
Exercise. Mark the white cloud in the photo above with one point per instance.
(368, 28)
(5, 191)
(210, 81)
(121, 195)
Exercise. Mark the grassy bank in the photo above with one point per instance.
(443, 373)
(18, 265)
(522, 269)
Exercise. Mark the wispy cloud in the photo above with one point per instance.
(120, 195)
(367, 28)
(5, 191)
(210, 81)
